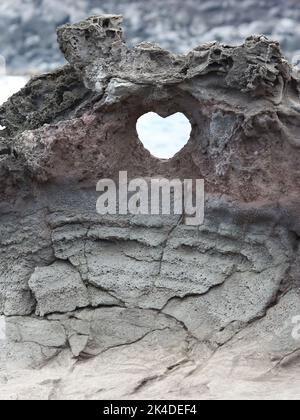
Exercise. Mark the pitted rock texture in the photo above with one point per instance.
(76, 286)
(50, 286)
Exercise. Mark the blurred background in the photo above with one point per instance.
(28, 28)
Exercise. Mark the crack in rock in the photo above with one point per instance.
(166, 298)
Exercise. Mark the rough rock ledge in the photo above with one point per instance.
(136, 306)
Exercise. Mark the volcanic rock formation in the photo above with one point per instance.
(30, 46)
(171, 301)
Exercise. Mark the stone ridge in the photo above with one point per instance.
(78, 285)
(96, 47)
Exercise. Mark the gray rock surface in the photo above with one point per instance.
(149, 302)
(30, 45)
(51, 285)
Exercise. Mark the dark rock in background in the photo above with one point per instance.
(28, 40)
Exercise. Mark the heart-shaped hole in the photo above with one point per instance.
(163, 137)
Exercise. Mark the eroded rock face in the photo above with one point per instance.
(51, 285)
(76, 283)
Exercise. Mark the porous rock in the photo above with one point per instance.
(57, 288)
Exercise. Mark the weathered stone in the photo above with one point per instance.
(32, 341)
(103, 285)
(33, 330)
(58, 288)
(78, 343)
(114, 327)
(29, 355)
(30, 45)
